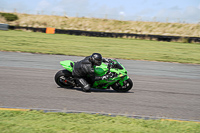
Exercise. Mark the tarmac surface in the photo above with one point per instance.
(161, 89)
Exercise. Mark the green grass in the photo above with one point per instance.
(108, 47)
(39, 122)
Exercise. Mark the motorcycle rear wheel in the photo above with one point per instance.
(62, 77)
(128, 84)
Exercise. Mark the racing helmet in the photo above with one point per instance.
(96, 59)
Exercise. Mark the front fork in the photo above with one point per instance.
(121, 82)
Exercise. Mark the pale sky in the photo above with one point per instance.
(145, 10)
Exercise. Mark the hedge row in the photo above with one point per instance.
(9, 16)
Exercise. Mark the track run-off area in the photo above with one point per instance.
(161, 89)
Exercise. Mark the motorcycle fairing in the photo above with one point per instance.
(67, 64)
(103, 69)
(121, 74)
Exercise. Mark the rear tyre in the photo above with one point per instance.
(128, 84)
(63, 77)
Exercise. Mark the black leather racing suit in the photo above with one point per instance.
(83, 71)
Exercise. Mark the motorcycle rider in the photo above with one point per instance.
(83, 71)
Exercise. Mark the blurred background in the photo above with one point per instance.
(157, 17)
(181, 11)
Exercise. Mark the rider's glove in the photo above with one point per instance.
(107, 76)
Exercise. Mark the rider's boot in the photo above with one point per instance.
(83, 84)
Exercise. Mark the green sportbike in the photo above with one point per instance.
(119, 81)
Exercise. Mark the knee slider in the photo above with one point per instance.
(86, 87)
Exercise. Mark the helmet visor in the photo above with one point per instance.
(97, 62)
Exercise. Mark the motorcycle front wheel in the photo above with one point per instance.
(63, 78)
(127, 85)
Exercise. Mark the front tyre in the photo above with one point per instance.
(127, 85)
(63, 78)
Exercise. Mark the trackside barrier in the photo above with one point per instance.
(43, 30)
(50, 30)
(3, 26)
(113, 35)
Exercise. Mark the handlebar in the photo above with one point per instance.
(110, 64)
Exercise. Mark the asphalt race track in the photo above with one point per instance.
(170, 90)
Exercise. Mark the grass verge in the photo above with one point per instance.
(40, 122)
(109, 47)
